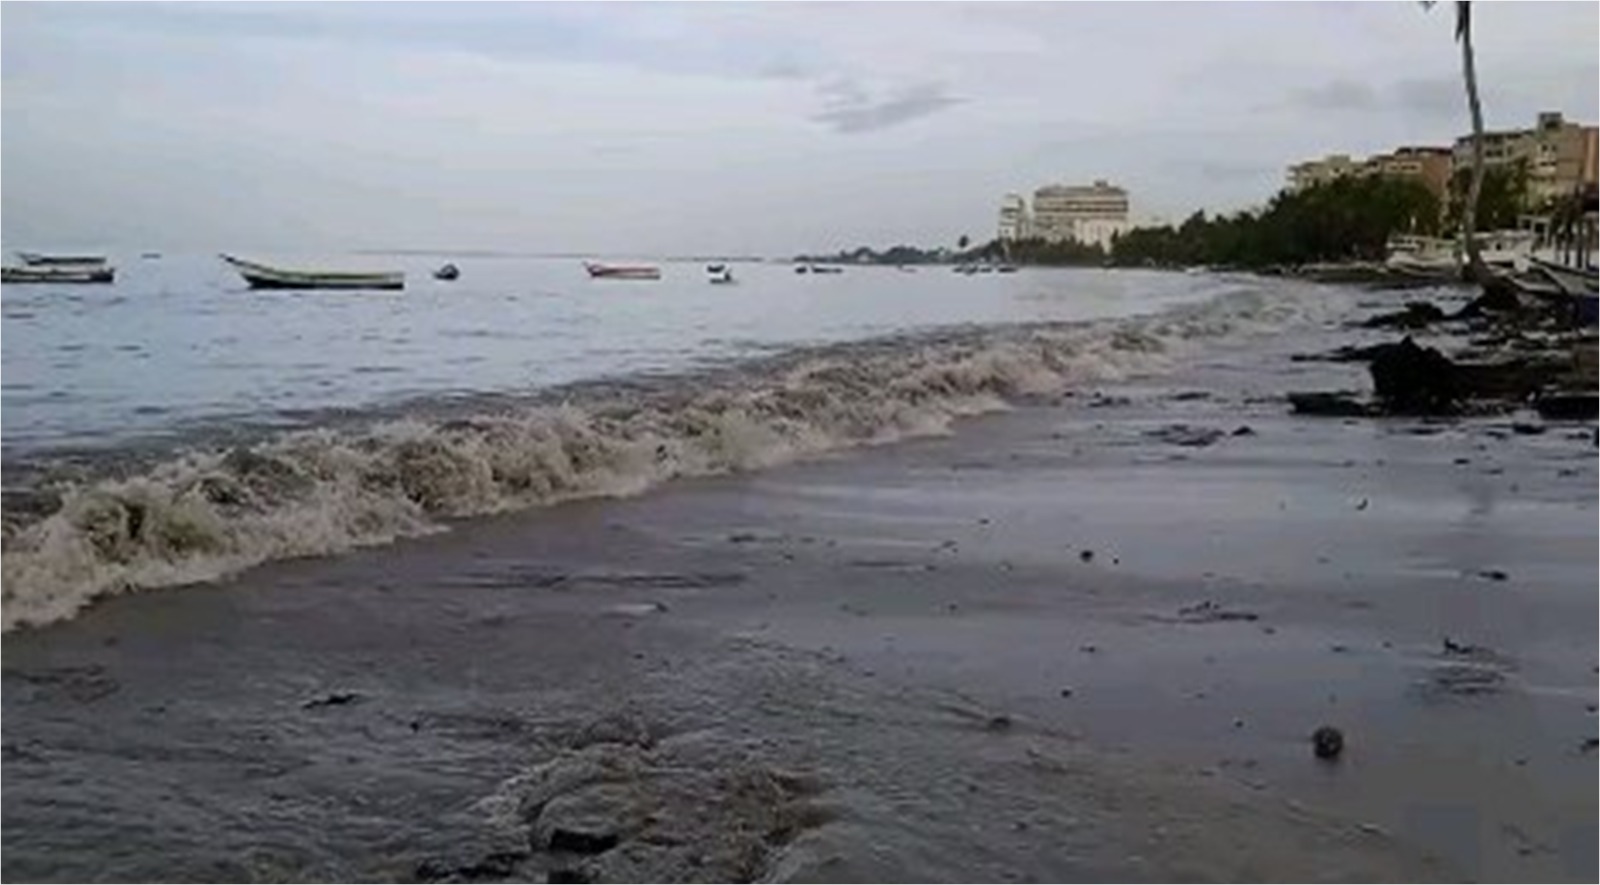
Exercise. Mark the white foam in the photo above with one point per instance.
(209, 514)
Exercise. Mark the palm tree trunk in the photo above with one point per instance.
(1476, 271)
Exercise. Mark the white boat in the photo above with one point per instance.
(719, 274)
(77, 273)
(261, 276)
(40, 259)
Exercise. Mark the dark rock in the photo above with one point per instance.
(568, 875)
(1327, 742)
(1066, 692)
(1209, 612)
(1243, 430)
(582, 841)
(1415, 380)
(1415, 315)
(1002, 722)
(332, 699)
(1590, 744)
(1499, 297)
(1527, 429)
(1329, 404)
(1568, 407)
(1184, 435)
(1493, 574)
(1086, 555)
(1191, 395)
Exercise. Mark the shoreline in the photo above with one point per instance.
(870, 650)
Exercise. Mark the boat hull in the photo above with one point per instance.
(39, 259)
(607, 272)
(260, 276)
(45, 274)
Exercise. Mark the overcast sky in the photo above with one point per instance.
(711, 127)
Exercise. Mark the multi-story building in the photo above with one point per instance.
(1015, 223)
(1558, 155)
(1429, 165)
(1314, 172)
(1092, 215)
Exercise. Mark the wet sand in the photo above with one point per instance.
(892, 664)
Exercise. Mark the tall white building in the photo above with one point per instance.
(1014, 221)
(1092, 215)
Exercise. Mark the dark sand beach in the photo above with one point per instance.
(1088, 638)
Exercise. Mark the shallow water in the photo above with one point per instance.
(180, 340)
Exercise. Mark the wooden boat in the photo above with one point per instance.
(825, 269)
(39, 259)
(622, 271)
(447, 273)
(260, 276)
(59, 274)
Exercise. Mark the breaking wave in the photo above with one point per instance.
(208, 513)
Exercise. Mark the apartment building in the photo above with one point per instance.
(1015, 223)
(1092, 214)
(1559, 155)
(1429, 165)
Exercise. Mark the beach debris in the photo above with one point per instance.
(331, 699)
(1590, 745)
(1364, 504)
(1524, 429)
(1188, 395)
(1415, 315)
(1452, 647)
(1066, 692)
(998, 722)
(1330, 404)
(1568, 407)
(1208, 612)
(1243, 430)
(1086, 555)
(1186, 435)
(1411, 379)
(1089, 649)
(1327, 742)
(82, 684)
(1492, 574)
(1238, 723)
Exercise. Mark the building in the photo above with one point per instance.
(1558, 155)
(1092, 215)
(1429, 165)
(1314, 172)
(1015, 224)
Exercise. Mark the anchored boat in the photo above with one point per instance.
(261, 276)
(622, 271)
(40, 259)
(60, 274)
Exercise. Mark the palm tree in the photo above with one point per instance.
(1475, 270)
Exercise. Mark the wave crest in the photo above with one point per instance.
(207, 514)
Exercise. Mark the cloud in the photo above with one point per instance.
(1336, 95)
(852, 109)
(1434, 98)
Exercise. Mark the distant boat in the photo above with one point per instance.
(1007, 268)
(823, 268)
(150, 256)
(40, 259)
(447, 273)
(720, 274)
(58, 274)
(801, 268)
(622, 271)
(260, 276)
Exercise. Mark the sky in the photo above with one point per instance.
(712, 128)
